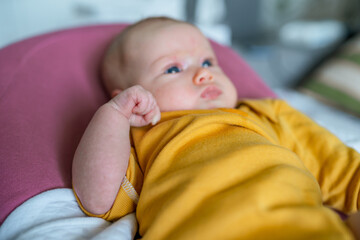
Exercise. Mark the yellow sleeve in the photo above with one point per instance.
(128, 195)
(335, 165)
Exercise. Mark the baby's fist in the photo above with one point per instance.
(138, 105)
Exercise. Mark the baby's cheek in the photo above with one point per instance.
(232, 97)
(173, 98)
(231, 92)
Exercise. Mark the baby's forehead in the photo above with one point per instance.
(161, 29)
(164, 32)
(150, 41)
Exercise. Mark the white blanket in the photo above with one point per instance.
(55, 214)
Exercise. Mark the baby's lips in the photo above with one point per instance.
(211, 92)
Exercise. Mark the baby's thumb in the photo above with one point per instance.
(156, 118)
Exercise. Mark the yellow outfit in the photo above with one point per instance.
(262, 171)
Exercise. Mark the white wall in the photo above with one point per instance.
(20, 19)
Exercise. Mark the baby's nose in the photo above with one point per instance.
(203, 76)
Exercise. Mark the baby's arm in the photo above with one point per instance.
(101, 159)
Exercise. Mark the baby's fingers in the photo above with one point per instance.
(153, 116)
(145, 110)
(156, 118)
(144, 104)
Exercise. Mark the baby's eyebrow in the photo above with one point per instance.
(160, 61)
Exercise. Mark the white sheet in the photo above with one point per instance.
(55, 214)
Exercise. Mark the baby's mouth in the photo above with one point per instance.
(211, 92)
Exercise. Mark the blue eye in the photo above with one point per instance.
(206, 64)
(172, 70)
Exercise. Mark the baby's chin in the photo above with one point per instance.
(207, 106)
(218, 104)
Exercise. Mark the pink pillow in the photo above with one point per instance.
(49, 90)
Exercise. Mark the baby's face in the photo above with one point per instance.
(178, 66)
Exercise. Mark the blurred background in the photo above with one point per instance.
(307, 51)
(281, 39)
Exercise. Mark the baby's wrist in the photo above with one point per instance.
(112, 105)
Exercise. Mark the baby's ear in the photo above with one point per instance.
(115, 92)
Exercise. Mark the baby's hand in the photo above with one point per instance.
(138, 105)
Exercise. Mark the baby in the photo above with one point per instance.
(206, 166)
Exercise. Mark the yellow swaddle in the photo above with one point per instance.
(241, 174)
